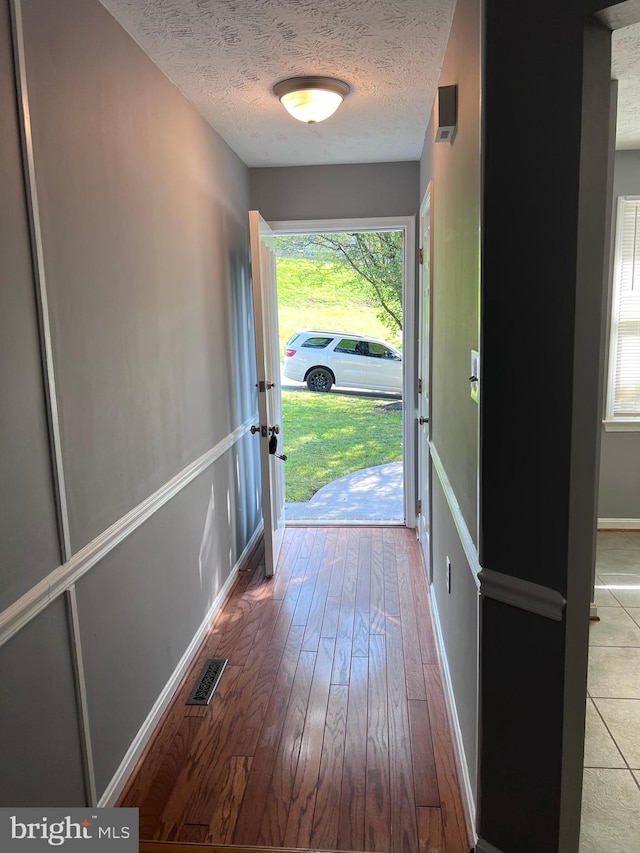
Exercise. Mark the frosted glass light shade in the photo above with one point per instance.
(311, 99)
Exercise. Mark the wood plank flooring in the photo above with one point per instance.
(328, 729)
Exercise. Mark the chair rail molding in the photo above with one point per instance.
(27, 607)
(522, 594)
(466, 539)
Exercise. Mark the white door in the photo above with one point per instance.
(265, 309)
(424, 373)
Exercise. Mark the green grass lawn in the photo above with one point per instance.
(329, 435)
(315, 295)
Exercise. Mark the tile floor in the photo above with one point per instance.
(611, 792)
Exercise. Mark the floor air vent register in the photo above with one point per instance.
(207, 681)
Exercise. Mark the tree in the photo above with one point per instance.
(374, 257)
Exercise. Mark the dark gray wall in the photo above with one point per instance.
(454, 169)
(145, 244)
(336, 192)
(28, 535)
(619, 495)
(532, 474)
(596, 153)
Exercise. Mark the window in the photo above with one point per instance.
(623, 398)
(351, 347)
(379, 351)
(317, 343)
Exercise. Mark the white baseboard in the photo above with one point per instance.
(619, 524)
(458, 744)
(483, 846)
(116, 785)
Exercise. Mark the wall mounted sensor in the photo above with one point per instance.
(447, 113)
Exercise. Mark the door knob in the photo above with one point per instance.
(422, 420)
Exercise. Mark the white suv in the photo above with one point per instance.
(322, 359)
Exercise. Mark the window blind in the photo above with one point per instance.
(624, 375)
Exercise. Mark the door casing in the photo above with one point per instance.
(407, 225)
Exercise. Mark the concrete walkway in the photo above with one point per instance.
(373, 494)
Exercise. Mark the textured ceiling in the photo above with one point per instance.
(625, 68)
(225, 55)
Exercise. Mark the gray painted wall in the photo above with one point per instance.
(192, 540)
(454, 169)
(145, 238)
(336, 192)
(28, 551)
(41, 760)
(456, 267)
(140, 334)
(619, 495)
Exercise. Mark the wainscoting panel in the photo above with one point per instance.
(172, 567)
(39, 725)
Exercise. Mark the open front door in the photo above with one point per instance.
(424, 385)
(265, 309)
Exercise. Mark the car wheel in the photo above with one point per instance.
(319, 379)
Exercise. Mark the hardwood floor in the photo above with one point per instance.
(328, 729)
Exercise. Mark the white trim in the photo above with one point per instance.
(619, 524)
(522, 594)
(621, 426)
(458, 743)
(407, 225)
(128, 763)
(81, 697)
(593, 611)
(59, 580)
(424, 338)
(44, 324)
(318, 226)
(483, 846)
(470, 550)
(409, 423)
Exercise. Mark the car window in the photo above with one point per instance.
(294, 337)
(379, 351)
(317, 343)
(351, 347)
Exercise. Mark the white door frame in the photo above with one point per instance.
(407, 225)
(424, 337)
(265, 309)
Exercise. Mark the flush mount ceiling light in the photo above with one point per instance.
(311, 99)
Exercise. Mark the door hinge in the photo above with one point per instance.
(419, 507)
(421, 255)
(419, 386)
